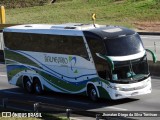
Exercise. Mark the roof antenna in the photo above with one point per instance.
(94, 18)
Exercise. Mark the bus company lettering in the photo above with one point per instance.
(58, 60)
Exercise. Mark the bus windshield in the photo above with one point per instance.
(125, 45)
(132, 70)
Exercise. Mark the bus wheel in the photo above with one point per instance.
(37, 87)
(28, 85)
(93, 94)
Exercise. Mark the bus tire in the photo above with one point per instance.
(28, 85)
(92, 93)
(37, 87)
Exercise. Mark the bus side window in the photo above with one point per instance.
(15, 41)
(79, 48)
(97, 46)
(73, 45)
(59, 44)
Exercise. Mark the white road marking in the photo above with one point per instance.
(45, 97)
(144, 37)
(149, 46)
(81, 118)
(78, 102)
(156, 38)
(10, 92)
(117, 108)
(3, 75)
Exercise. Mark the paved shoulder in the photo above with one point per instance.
(2, 68)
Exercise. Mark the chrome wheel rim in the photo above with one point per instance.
(28, 86)
(38, 88)
(93, 94)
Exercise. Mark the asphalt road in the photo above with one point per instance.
(148, 102)
(152, 43)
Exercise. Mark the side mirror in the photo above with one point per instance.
(153, 55)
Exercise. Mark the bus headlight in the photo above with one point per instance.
(118, 95)
(114, 87)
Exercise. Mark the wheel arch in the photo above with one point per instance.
(89, 84)
(32, 79)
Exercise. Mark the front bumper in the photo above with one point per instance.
(129, 90)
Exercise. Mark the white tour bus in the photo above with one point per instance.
(95, 60)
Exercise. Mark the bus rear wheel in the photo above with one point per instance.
(37, 87)
(93, 94)
(28, 85)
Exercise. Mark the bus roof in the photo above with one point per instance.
(109, 32)
(75, 29)
(61, 29)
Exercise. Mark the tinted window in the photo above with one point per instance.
(122, 46)
(97, 46)
(136, 69)
(60, 44)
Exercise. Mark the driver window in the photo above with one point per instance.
(97, 46)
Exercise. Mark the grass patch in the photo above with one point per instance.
(117, 12)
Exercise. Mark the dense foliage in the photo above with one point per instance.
(31, 3)
(22, 3)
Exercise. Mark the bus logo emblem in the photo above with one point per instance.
(73, 61)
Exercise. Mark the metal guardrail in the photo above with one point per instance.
(71, 112)
(149, 33)
(2, 26)
(45, 108)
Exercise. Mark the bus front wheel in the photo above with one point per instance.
(93, 94)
